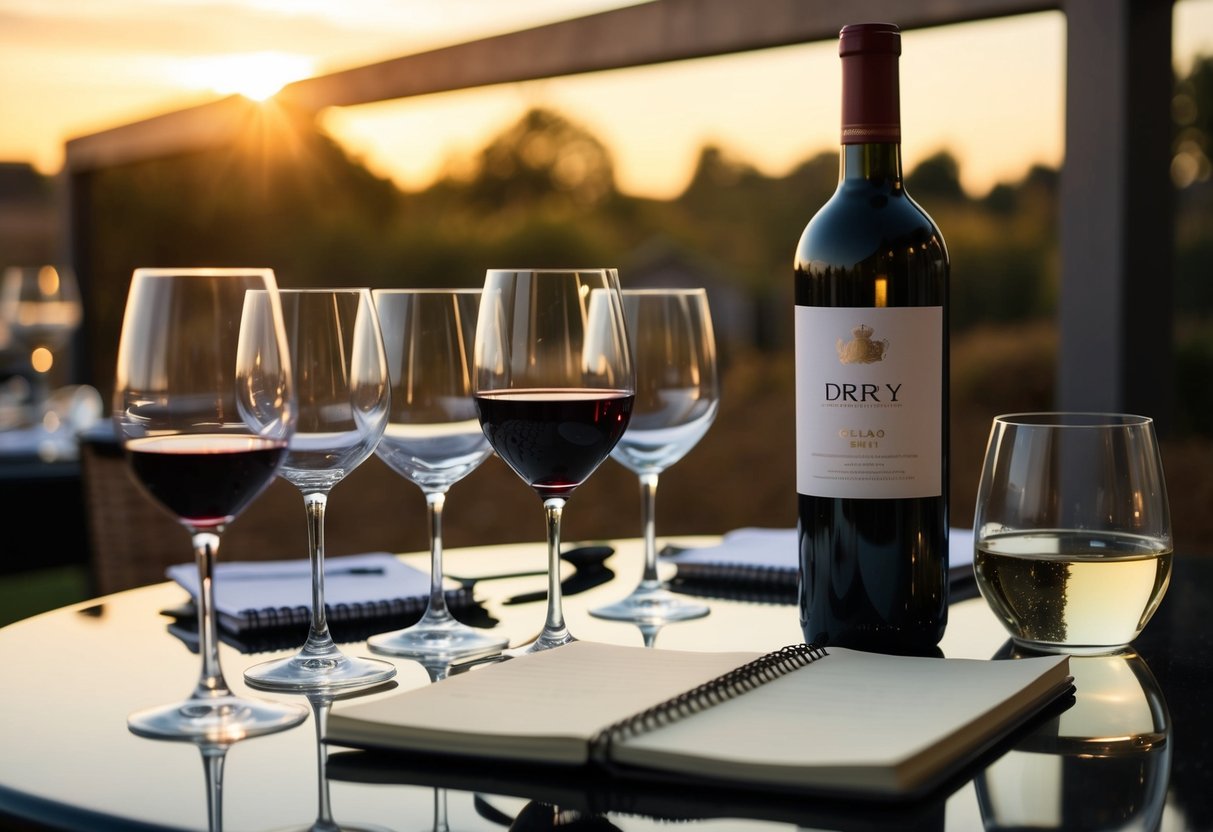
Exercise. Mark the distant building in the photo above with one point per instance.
(29, 234)
(29, 231)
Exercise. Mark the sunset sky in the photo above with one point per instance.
(990, 92)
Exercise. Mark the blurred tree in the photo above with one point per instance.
(936, 178)
(542, 161)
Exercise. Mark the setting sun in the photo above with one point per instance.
(255, 75)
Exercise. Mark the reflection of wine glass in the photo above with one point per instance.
(554, 389)
(677, 395)
(433, 439)
(205, 407)
(1072, 529)
(322, 703)
(1103, 763)
(342, 390)
(40, 307)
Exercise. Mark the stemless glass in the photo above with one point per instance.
(554, 390)
(1072, 529)
(205, 407)
(677, 396)
(433, 440)
(341, 386)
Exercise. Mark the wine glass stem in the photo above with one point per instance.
(318, 640)
(324, 811)
(648, 517)
(436, 609)
(211, 684)
(212, 763)
(553, 508)
(441, 824)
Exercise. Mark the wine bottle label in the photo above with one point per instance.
(869, 398)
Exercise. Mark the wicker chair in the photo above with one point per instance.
(133, 540)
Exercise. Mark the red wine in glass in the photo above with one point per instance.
(554, 439)
(205, 479)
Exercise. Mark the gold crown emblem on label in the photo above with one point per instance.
(861, 349)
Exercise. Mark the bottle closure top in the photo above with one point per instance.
(871, 106)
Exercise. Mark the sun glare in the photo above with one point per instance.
(255, 75)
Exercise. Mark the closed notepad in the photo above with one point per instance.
(256, 596)
(801, 719)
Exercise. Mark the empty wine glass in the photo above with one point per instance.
(205, 407)
(342, 389)
(677, 396)
(40, 307)
(554, 390)
(433, 439)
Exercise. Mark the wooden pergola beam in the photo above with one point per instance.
(649, 33)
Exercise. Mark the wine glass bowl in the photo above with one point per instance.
(1072, 529)
(342, 392)
(554, 389)
(677, 397)
(204, 406)
(433, 439)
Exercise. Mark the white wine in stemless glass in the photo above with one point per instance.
(1072, 529)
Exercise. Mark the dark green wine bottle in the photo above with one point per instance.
(871, 285)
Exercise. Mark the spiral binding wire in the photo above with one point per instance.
(727, 686)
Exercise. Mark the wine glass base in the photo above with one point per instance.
(224, 719)
(316, 673)
(547, 640)
(448, 640)
(655, 605)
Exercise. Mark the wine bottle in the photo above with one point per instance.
(871, 331)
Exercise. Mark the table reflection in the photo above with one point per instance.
(1104, 763)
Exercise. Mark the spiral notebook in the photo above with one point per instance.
(803, 719)
(275, 596)
(762, 565)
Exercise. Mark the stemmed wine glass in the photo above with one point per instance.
(341, 385)
(40, 306)
(204, 404)
(554, 390)
(677, 396)
(433, 439)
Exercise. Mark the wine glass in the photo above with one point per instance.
(1072, 529)
(554, 390)
(677, 396)
(342, 390)
(433, 439)
(40, 307)
(204, 405)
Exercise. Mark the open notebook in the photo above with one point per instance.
(801, 719)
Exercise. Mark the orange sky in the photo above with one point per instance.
(71, 67)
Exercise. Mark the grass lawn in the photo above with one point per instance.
(23, 594)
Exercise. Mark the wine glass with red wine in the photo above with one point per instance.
(554, 390)
(205, 408)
